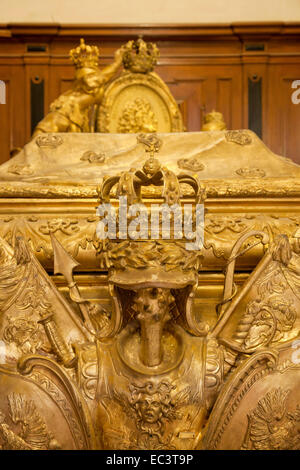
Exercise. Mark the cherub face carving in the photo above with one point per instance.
(150, 408)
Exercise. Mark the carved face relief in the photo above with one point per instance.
(149, 408)
(152, 405)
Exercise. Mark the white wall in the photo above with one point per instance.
(148, 11)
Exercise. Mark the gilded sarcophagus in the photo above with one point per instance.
(149, 283)
(132, 339)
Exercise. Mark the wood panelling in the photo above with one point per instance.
(206, 67)
(12, 114)
(291, 118)
(224, 98)
(283, 114)
(5, 113)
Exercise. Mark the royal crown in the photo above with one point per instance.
(146, 252)
(159, 252)
(139, 56)
(130, 183)
(85, 55)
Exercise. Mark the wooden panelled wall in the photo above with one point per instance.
(243, 70)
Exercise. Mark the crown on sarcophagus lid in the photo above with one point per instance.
(85, 55)
(130, 183)
(139, 56)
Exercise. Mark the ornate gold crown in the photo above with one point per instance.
(147, 260)
(139, 56)
(85, 56)
(130, 183)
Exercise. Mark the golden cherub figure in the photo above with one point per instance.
(73, 110)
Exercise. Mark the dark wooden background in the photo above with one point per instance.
(243, 70)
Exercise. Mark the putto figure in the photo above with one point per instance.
(74, 110)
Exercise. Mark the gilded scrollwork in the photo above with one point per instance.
(78, 233)
(222, 228)
(235, 224)
(216, 188)
(65, 226)
(87, 370)
(214, 372)
(269, 319)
